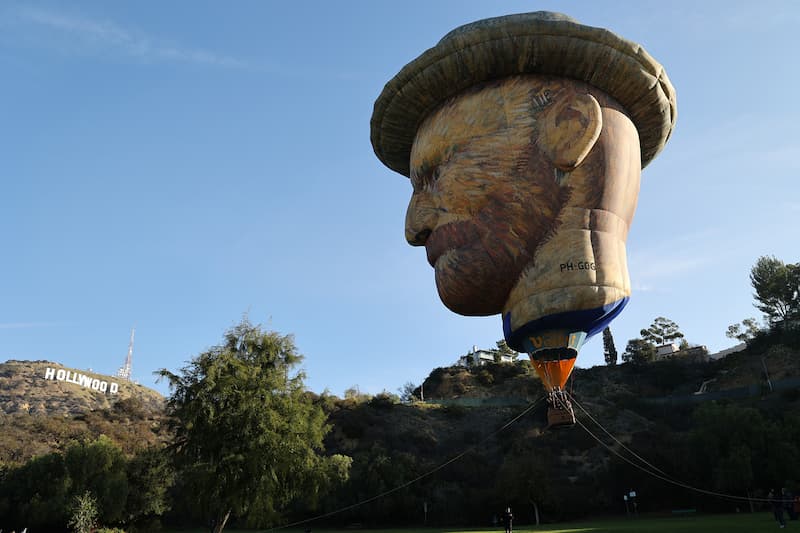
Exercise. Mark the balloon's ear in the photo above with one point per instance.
(570, 127)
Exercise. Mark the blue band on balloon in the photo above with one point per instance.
(592, 321)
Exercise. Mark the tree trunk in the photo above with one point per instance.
(220, 525)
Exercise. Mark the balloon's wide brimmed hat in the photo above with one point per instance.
(527, 43)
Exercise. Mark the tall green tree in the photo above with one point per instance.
(248, 436)
(609, 350)
(777, 287)
(661, 331)
(638, 352)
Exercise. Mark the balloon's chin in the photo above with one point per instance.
(467, 289)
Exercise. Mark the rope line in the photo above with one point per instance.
(665, 477)
(615, 439)
(416, 479)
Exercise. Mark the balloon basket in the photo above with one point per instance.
(559, 410)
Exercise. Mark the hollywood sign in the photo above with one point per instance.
(81, 379)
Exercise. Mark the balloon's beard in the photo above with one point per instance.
(474, 278)
(478, 261)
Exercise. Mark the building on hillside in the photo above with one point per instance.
(725, 353)
(479, 357)
(666, 350)
(672, 350)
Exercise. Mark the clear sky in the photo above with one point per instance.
(171, 166)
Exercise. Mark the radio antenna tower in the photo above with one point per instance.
(124, 371)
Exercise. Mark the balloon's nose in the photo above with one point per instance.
(421, 218)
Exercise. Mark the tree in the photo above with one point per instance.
(638, 352)
(503, 349)
(529, 479)
(150, 476)
(661, 331)
(248, 436)
(777, 287)
(609, 350)
(37, 493)
(99, 467)
(354, 393)
(407, 392)
(743, 332)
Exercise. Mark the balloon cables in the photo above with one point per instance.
(418, 478)
(649, 468)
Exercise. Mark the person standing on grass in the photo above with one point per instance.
(777, 506)
(508, 518)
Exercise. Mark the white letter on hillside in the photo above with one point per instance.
(85, 380)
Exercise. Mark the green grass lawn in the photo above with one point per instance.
(731, 523)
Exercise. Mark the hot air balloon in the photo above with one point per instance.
(524, 137)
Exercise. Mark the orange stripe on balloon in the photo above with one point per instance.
(554, 374)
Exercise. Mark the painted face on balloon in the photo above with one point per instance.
(486, 196)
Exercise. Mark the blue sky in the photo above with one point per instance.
(173, 166)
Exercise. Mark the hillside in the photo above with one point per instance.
(672, 377)
(44, 406)
(24, 387)
(652, 408)
(479, 442)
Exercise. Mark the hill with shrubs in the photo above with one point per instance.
(40, 414)
(722, 440)
(476, 444)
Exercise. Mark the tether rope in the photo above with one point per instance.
(615, 439)
(665, 477)
(416, 479)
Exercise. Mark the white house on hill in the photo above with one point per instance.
(478, 357)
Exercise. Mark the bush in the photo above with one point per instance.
(454, 411)
(790, 395)
(384, 400)
(786, 335)
(84, 514)
(485, 377)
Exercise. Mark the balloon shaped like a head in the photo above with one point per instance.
(524, 137)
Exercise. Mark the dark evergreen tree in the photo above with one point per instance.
(609, 350)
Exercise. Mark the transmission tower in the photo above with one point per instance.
(124, 371)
